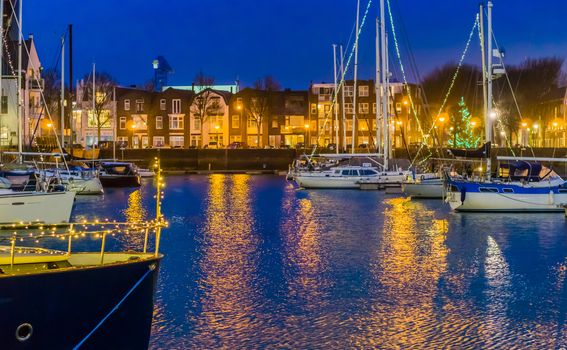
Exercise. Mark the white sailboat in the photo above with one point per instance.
(44, 205)
(381, 173)
(523, 185)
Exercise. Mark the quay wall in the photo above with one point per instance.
(273, 160)
(268, 160)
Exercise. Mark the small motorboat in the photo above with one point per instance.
(119, 174)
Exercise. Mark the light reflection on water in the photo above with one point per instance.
(251, 262)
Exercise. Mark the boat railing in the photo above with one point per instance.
(97, 229)
(71, 232)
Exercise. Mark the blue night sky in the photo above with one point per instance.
(289, 39)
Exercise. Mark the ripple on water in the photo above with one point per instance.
(251, 262)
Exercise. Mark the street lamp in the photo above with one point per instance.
(217, 135)
(132, 127)
(442, 121)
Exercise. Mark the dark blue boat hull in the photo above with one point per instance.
(64, 306)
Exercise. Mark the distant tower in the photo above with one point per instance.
(161, 71)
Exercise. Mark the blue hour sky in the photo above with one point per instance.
(289, 39)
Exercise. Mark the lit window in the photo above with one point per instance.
(236, 121)
(363, 90)
(176, 141)
(176, 122)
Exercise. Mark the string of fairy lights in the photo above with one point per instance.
(96, 229)
(345, 70)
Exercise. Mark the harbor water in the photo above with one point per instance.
(253, 262)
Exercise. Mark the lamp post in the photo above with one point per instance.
(132, 127)
(442, 121)
(307, 135)
(217, 135)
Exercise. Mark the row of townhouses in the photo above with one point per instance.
(217, 118)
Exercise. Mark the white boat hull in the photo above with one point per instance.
(513, 202)
(424, 189)
(328, 181)
(40, 207)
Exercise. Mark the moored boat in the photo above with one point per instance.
(118, 174)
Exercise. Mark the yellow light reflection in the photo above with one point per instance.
(409, 265)
(228, 262)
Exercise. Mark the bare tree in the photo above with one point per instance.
(104, 85)
(51, 92)
(204, 102)
(258, 108)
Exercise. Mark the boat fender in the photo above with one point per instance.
(463, 194)
(551, 196)
(422, 177)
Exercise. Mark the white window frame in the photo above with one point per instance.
(363, 108)
(176, 106)
(174, 141)
(176, 122)
(349, 108)
(158, 138)
(122, 125)
(363, 90)
(162, 104)
(159, 122)
(126, 105)
(349, 90)
(235, 120)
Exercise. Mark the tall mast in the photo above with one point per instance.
(483, 58)
(94, 96)
(71, 126)
(336, 111)
(343, 96)
(355, 76)
(1, 63)
(19, 113)
(488, 117)
(62, 124)
(384, 85)
(377, 87)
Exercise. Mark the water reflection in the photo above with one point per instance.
(228, 267)
(253, 263)
(408, 267)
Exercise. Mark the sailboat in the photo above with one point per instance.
(375, 173)
(522, 185)
(44, 204)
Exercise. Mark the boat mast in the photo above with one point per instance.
(1, 64)
(336, 111)
(71, 122)
(62, 91)
(384, 85)
(483, 58)
(94, 98)
(355, 75)
(377, 87)
(488, 116)
(343, 96)
(19, 113)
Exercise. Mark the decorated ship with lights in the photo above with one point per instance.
(63, 299)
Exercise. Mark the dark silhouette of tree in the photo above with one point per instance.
(258, 108)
